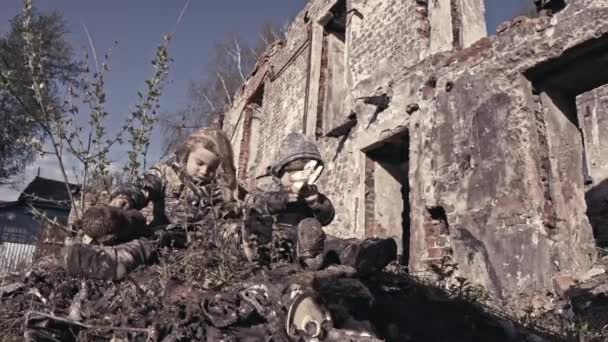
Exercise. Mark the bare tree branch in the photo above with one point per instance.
(228, 97)
(285, 29)
(53, 223)
(208, 101)
(231, 60)
(180, 17)
(92, 46)
(237, 58)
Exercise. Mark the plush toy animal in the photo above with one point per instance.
(109, 225)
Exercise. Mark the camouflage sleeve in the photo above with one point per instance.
(323, 210)
(107, 262)
(266, 203)
(146, 188)
(153, 182)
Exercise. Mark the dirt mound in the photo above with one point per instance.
(208, 291)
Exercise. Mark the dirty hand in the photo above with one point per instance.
(212, 195)
(310, 193)
(292, 197)
(120, 201)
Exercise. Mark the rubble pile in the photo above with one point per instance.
(210, 292)
(585, 301)
(225, 270)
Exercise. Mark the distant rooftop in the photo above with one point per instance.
(46, 191)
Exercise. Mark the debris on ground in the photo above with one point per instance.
(210, 292)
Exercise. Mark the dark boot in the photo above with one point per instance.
(311, 240)
(370, 255)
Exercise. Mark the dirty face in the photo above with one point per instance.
(289, 173)
(202, 164)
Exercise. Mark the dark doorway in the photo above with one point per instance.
(574, 99)
(387, 190)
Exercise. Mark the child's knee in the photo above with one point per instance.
(310, 223)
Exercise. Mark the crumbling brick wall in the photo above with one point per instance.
(387, 35)
(283, 108)
(482, 143)
(382, 37)
(484, 148)
(592, 109)
(370, 23)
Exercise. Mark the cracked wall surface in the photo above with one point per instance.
(490, 146)
(592, 110)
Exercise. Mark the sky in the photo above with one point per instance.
(138, 25)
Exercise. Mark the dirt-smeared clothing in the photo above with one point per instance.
(180, 203)
(176, 198)
(298, 219)
(287, 217)
(179, 198)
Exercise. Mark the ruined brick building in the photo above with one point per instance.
(454, 143)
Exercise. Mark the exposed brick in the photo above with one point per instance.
(562, 283)
(245, 145)
(437, 253)
(370, 198)
(442, 241)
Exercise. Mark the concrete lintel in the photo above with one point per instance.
(325, 13)
(369, 140)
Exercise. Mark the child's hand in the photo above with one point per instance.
(310, 193)
(120, 201)
(292, 197)
(217, 194)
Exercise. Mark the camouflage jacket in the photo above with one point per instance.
(276, 203)
(176, 199)
(273, 221)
